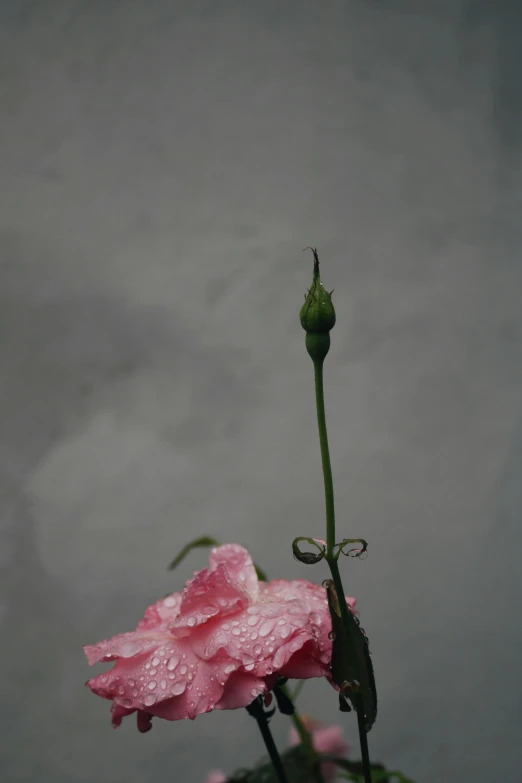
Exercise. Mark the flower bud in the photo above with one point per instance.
(317, 314)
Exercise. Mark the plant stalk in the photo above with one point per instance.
(330, 540)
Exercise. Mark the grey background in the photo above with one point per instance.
(162, 166)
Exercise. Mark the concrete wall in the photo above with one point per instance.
(162, 166)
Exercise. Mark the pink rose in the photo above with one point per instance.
(218, 644)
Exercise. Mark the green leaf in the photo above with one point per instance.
(198, 543)
(298, 766)
(379, 772)
(351, 660)
(204, 541)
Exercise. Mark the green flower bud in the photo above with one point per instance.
(317, 315)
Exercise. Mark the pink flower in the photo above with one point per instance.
(325, 739)
(218, 644)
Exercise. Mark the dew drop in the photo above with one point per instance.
(170, 601)
(191, 621)
(253, 619)
(155, 661)
(279, 658)
(253, 610)
(172, 663)
(253, 636)
(153, 672)
(285, 632)
(149, 699)
(258, 649)
(230, 667)
(265, 627)
(151, 685)
(183, 669)
(178, 688)
(121, 690)
(135, 692)
(236, 631)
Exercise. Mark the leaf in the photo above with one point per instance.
(298, 766)
(204, 541)
(379, 772)
(197, 543)
(351, 660)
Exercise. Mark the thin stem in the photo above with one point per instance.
(363, 739)
(330, 542)
(256, 710)
(297, 690)
(325, 457)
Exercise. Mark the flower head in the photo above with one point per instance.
(220, 643)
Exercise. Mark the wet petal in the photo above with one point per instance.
(239, 566)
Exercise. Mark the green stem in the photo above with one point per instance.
(325, 457)
(330, 542)
(256, 710)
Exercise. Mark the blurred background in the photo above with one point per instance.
(162, 165)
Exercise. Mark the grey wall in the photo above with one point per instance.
(162, 165)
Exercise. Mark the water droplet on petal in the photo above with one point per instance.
(285, 632)
(178, 688)
(252, 619)
(170, 600)
(152, 684)
(258, 649)
(135, 692)
(236, 631)
(153, 672)
(155, 661)
(121, 690)
(191, 621)
(163, 683)
(172, 663)
(253, 636)
(265, 627)
(183, 669)
(149, 699)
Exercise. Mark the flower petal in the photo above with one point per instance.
(239, 566)
(208, 594)
(240, 690)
